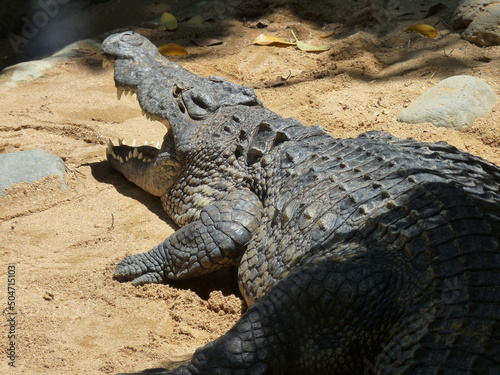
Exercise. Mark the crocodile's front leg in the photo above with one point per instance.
(217, 239)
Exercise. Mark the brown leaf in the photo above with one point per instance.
(327, 35)
(206, 42)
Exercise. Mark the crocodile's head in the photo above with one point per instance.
(181, 100)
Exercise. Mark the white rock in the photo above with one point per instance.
(453, 103)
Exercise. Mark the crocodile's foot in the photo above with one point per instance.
(140, 269)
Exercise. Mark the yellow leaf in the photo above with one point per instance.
(426, 30)
(169, 21)
(268, 40)
(197, 20)
(309, 48)
(172, 49)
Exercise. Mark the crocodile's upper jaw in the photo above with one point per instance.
(165, 90)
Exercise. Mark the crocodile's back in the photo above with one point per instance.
(430, 209)
(326, 196)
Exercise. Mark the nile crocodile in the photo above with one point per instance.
(355, 256)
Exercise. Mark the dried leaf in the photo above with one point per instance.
(169, 21)
(172, 49)
(197, 20)
(268, 40)
(327, 35)
(206, 42)
(310, 48)
(483, 59)
(425, 30)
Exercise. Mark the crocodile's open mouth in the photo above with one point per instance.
(146, 153)
(123, 153)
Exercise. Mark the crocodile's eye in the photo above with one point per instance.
(176, 91)
(202, 100)
(133, 39)
(199, 105)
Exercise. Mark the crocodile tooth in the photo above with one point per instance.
(133, 143)
(121, 160)
(109, 149)
(115, 156)
(136, 153)
(119, 93)
(120, 142)
(129, 156)
(140, 156)
(145, 143)
(158, 145)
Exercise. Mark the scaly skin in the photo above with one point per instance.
(372, 255)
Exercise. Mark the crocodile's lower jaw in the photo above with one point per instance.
(132, 154)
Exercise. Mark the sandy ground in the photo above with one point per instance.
(71, 316)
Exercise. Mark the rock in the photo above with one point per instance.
(29, 70)
(467, 10)
(485, 29)
(453, 103)
(480, 19)
(29, 166)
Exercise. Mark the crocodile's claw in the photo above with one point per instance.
(139, 270)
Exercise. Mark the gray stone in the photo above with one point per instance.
(453, 103)
(28, 166)
(467, 11)
(484, 30)
(480, 19)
